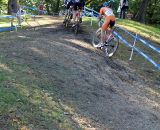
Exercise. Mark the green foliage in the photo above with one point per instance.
(97, 4)
(153, 13)
(3, 6)
(53, 6)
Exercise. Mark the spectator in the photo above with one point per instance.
(124, 8)
(15, 7)
(41, 9)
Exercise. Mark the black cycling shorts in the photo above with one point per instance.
(111, 23)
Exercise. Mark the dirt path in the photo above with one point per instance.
(96, 93)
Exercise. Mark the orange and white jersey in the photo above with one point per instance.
(106, 11)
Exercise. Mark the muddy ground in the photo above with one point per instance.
(103, 94)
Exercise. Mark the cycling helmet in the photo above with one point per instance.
(107, 4)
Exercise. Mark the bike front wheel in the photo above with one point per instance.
(96, 39)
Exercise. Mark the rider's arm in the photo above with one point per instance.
(101, 13)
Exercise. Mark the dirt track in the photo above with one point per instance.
(103, 94)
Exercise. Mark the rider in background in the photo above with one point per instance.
(78, 5)
(41, 9)
(109, 22)
(68, 4)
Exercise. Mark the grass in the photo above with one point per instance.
(148, 31)
(24, 105)
(5, 22)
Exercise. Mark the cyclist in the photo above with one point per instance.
(78, 6)
(68, 4)
(109, 22)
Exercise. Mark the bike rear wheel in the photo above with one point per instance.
(111, 47)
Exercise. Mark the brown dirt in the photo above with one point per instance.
(97, 93)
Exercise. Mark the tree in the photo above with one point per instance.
(3, 5)
(140, 16)
(153, 13)
(57, 6)
(11, 1)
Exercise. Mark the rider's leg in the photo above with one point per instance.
(74, 17)
(19, 18)
(103, 30)
(80, 6)
(75, 9)
(109, 22)
(67, 9)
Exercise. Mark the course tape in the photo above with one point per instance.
(140, 39)
(2, 29)
(7, 28)
(138, 50)
(8, 16)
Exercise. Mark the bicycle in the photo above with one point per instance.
(111, 43)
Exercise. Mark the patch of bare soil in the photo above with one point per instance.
(98, 93)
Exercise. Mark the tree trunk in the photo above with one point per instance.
(140, 16)
(57, 6)
(9, 8)
(9, 5)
